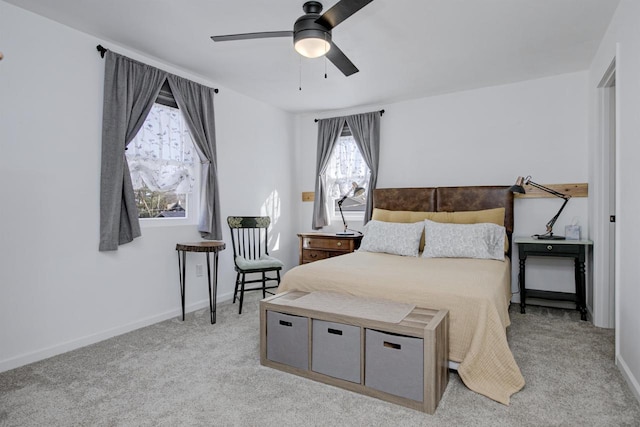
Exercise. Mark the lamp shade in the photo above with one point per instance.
(312, 47)
(358, 191)
(518, 187)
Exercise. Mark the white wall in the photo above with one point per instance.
(482, 137)
(622, 42)
(57, 292)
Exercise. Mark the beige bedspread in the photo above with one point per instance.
(476, 293)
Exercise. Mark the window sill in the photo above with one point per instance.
(165, 222)
(348, 216)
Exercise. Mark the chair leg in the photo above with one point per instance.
(241, 293)
(235, 292)
(264, 285)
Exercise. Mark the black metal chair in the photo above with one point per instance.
(249, 238)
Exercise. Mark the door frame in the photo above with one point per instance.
(604, 292)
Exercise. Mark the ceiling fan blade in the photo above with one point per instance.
(340, 60)
(341, 11)
(246, 36)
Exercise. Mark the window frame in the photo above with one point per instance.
(330, 203)
(189, 219)
(165, 97)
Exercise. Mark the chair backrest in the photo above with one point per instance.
(249, 236)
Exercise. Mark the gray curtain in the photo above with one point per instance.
(328, 133)
(365, 129)
(130, 89)
(196, 103)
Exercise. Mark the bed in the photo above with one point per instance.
(475, 291)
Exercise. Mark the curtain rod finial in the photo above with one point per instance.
(102, 50)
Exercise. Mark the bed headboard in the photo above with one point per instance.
(448, 199)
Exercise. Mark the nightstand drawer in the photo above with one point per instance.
(317, 243)
(318, 246)
(568, 249)
(310, 255)
(551, 249)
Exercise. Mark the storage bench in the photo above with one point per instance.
(404, 363)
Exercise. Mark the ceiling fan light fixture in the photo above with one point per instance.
(312, 32)
(311, 39)
(312, 47)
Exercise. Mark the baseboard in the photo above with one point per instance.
(628, 376)
(45, 353)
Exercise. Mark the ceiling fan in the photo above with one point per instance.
(312, 32)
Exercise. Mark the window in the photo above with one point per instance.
(345, 172)
(162, 163)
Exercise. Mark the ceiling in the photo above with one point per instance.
(404, 48)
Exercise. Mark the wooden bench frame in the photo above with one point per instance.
(432, 326)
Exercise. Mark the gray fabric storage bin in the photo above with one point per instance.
(288, 339)
(335, 350)
(394, 364)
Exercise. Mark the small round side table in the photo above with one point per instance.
(210, 246)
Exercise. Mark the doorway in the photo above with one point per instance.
(607, 225)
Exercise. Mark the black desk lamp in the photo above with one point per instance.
(518, 187)
(357, 191)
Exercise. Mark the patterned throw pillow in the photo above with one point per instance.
(392, 238)
(483, 240)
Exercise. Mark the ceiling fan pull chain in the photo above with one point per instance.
(300, 73)
(325, 56)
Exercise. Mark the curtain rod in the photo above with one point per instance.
(381, 113)
(103, 50)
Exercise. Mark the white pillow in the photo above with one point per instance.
(482, 240)
(392, 237)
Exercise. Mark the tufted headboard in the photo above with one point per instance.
(448, 199)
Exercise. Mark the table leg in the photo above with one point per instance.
(182, 273)
(523, 295)
(581, 281)
(213, 285)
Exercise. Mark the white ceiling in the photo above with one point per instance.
(404, 48)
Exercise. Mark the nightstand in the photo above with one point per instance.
(317, 246)
(576, 249)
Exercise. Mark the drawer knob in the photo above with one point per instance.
(339, 243)
(313, 255)
(549, 247)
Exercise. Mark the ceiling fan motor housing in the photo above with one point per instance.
(306, 26)
(312, 32)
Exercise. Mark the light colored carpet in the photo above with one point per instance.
(191, 373)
